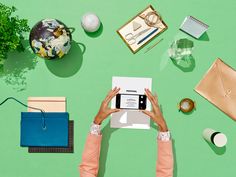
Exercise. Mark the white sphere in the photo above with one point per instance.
(90, 22)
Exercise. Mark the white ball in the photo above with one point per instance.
(90, 22)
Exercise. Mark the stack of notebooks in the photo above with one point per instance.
(54, 108)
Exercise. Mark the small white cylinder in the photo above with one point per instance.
(90, 22)
(217, 138)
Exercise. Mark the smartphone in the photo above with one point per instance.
(131, 101)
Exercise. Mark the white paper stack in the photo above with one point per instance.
(133, 119)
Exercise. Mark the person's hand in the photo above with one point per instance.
(105, 110)
(155, 114)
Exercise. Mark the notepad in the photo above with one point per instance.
(194, 27)
(47, 104)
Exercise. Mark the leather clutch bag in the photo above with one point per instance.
(218, 86)
(44, 129)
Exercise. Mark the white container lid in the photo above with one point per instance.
(220, 140)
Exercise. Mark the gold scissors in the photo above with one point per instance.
(131, 38)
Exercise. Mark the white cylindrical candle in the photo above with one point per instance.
(90, 22)
(217, 138)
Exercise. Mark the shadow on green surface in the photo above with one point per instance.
(188, 113)
(106, 135)
(204, 37)
(17, 65)
(154, 126)
(70, 64)
(97, 33)
(186, 65)
(217, 150)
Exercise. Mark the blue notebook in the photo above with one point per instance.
(44, 129)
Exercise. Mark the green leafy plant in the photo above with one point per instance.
(12, 29)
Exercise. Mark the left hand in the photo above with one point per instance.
(105, 110)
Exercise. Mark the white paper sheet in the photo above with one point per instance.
(133, 119)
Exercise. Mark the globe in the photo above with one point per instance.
(50, 39)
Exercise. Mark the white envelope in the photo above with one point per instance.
(133, 119)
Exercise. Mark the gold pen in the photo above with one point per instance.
(149, 48)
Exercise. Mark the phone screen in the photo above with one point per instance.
(129, 101)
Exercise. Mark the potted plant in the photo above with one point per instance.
(12, 30)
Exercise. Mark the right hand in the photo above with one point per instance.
(155, 114)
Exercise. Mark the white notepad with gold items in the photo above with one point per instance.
(142, 29)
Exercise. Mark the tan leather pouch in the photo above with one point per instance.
(218, 86)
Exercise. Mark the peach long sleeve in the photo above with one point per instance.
(90, 159)
(165, 160)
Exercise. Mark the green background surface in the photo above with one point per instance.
(85, 78)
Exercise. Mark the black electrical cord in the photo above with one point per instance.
(12, 98)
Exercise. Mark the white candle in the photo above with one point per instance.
(90, 22)
(217, 138)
